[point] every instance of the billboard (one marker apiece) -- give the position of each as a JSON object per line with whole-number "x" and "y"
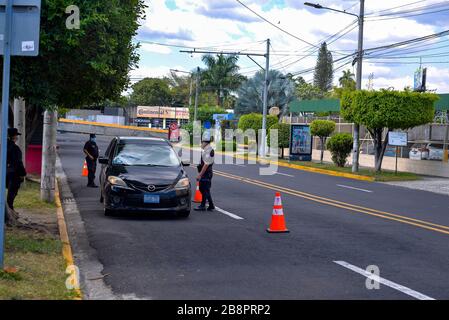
{"x": 300, "y": 142}
{"x": 162, "y": 112}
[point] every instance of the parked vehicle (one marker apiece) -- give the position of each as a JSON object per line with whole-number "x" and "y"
{"x": 419, "y": 151}
{"x": 143, "y": 175}
{"x": 436, "y": 151}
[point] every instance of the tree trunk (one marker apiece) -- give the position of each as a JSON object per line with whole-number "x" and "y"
{"x": 282, "y": 153}
{"x": 379, "y": 147}
{"x": 49, "y": 157}
{"x": 322, "y": 149}
{"x": 19, "y": 123}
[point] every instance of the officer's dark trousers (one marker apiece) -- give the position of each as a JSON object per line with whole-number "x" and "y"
{"x": 13, "y": 184}
{"x": 205, "y": 186}
{"x": 92, "y": 169}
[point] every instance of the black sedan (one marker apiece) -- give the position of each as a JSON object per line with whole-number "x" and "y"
{"x": 143, "y": 175}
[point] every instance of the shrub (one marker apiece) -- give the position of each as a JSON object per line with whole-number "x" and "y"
{"x": 227, "y": 146}
{"x": 283, "y": 136}
{"x": 254, "y": 121}
{"x": 340, "y": 146}
{"x": 206, "y": 113}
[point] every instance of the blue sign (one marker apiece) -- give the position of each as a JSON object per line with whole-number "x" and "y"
{"x": 207, "y": 125}
{"x": 300, "y": 143}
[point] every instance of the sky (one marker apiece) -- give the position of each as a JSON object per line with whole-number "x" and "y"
{"x": 226, "y": 25}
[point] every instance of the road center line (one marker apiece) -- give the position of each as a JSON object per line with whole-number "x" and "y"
{"x": 353, "y": 188}
{"x": 234, "y": 216}
{"x": 284, "y": 174}
{"x": 385, "y": 282}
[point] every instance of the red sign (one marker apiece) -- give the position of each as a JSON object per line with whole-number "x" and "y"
{"x": 173, "y": 132}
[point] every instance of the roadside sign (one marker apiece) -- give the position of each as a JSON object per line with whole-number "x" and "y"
{"x": 398, "y": 139}
{"x": 300, "y": 142}
{"x": 207, "y": 125}
{"x": 173, "y": 132}
{"x": 25, "y": 27}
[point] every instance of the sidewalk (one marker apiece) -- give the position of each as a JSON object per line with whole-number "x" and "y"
{"x": 431, "y": 184}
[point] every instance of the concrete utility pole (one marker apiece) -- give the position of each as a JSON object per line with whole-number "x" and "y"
{"x": 263, "y": 152}
{"x": 197, "y": 89}
{"x": 355, "y": 159}
{"x": 49, "y": 157}
{"x": 360, "y": 18}
{"x": 19, "y": 123}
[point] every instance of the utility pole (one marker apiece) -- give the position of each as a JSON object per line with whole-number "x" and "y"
{"x": 265, "y": 103}
{"x": 196, "y": 93}
{"x": 361, "y": 17}
{"x": 49, "y": 157}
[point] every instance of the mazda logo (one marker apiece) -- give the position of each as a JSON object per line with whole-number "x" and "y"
{"x": 151, "y": 188}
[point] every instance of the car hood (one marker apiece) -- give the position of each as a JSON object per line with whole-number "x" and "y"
{"x": 148, "y": 175}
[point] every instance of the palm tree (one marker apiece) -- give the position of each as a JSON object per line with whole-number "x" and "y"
{"x": 346, "y": 79}
{"x": 222, "y": 75}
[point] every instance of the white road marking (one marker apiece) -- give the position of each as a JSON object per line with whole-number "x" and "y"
{"x": 234, "y": 216}
{"x": 353, "y": 188}
{"x": 284, "y": 174}
{"x": 240, "y": 165}
{"x": 385, "y": 282}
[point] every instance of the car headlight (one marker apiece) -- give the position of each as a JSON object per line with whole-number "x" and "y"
{"x": 182, "y": 184}
{"x": 116, "y": 181}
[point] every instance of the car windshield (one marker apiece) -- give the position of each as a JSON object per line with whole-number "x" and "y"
{"x": 144, "y": 154}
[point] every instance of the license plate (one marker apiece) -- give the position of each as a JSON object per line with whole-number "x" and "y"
{"x": 150, "y": 198}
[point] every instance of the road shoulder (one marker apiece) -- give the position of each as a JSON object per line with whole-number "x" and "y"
{"x": 430, "y": 184}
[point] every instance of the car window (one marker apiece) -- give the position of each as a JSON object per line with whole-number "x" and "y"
{"x": 144, "y": 154}
{"x": 108, "y": 150}
{"x": 436, "y": 146}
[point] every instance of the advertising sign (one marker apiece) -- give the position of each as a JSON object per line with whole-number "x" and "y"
{"x": 162, "y": 112}
{"x": 173, "y": 132}
{"x": 300, "y": 142}
{"x": 398, "y": 139}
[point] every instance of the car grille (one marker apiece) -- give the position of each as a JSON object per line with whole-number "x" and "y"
{"x": 144, "y": 187}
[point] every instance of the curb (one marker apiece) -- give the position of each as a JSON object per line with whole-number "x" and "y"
{"x": 99, "y": 124}
{"x": 297, "y": 167}
{"x": 66, "y": 247}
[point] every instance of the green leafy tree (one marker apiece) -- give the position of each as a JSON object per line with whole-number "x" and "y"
{"x": 324, "y": 70}
{"x": 384, "y": 111}
{"x": 250, "y": 93}
{"x": 206, "y": 113}
{"x": 81, "y": 67}
{"x": 180, "y": 89}
{"x": 322, "y": 129}
{"x": 253, "y": 121}
{"x": 307, "y": 91}
{"x": 221, "y": 75}
{"x": 151, "y": 92}
{"x": 347, "y": 83}
{"x": 340, "y": 146}
{"x": 283, "y": 136}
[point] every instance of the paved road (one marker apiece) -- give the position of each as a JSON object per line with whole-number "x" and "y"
{"x": 405, "y": 233}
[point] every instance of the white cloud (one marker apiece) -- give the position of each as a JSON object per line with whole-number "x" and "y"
{"x": 146, "y": 47}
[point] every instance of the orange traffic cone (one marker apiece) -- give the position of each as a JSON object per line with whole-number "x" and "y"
{"x": 198, "y": 196}
{"x": 85, "y": 171}
{"x": 277, "y": 219}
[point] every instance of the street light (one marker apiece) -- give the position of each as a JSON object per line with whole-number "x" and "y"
{"x": 191, "y": 85}
{"x": 360, "y": 18}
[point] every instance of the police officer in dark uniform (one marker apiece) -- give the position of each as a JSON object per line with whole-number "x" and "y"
{"x": 205, "y": 173}
{"x": 91, "y": 151}
{"x": 15, "y": 170}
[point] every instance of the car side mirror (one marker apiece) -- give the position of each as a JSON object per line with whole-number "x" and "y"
{"x": 185, "y": 163}
{"x": 103, "y": 160}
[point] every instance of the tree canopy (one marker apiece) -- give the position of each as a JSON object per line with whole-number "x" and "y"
{"x": 151, "y": 92}
{"x": 280, "y": 93}
{"x": 221, "y": 75}
{"x": 84, "y": 66}
{"x": 324, "y": 70}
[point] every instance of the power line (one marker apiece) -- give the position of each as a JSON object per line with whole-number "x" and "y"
{"x": 402, "y": 6}
{"x": 416, "y": 9}
{"x": 277, "y": 27}
{"x": 407, "y": 16}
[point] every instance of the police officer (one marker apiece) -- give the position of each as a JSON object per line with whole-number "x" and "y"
{"x": 91, "y": 151}
{"x": 15, "y": 170}
{"x": 206, "y": 172}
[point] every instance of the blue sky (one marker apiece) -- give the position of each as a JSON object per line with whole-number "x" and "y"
{"x": 226, "y": 25}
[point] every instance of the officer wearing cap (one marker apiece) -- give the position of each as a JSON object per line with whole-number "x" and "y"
{"x": 206, "y": 172}
{"x": 15, "y": 170}
{"x": 91, "y": 152}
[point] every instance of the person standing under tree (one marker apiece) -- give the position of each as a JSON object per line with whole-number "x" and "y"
{"x": 15, "y": 170}
{"x": 91, "y": 151}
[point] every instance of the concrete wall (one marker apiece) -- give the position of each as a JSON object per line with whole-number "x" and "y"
{"x": 109, "y": 130}
{"x": 422, "y": 167}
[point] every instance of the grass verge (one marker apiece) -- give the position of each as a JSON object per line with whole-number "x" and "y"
{"x": 384, "y": 176}
{"x": 29, "y": 197}
{"x": 40, "y": 266}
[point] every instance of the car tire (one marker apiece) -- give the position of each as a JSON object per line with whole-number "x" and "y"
{"x": 108, "y": 212}
{"x": 184, "y": 214}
